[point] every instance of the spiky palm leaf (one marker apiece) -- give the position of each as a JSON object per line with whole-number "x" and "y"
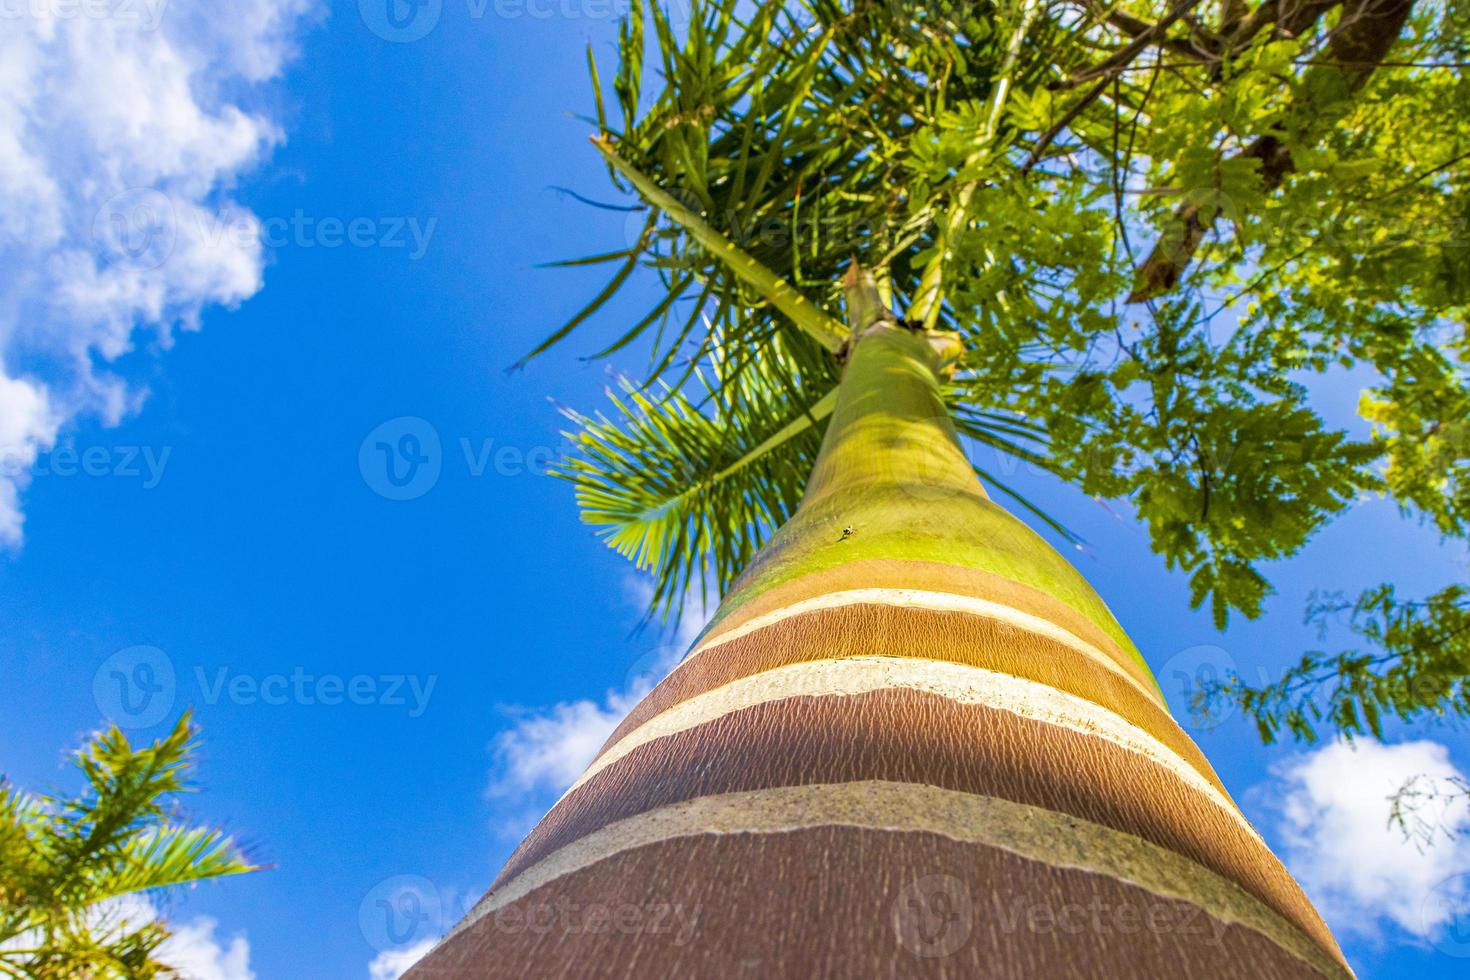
{"x": 689, "y": 487}
{"x": 790, "y": 131}
{"x": 66, "y": 860}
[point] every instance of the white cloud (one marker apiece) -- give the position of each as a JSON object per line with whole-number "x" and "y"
{"x": 191, "y": 949}
{"x": 123, "y": 130}
{"x": 194, "y": 952}
{"x": 546, "y": 748}
{"x": 393, "y": 963}
{"x": 1332, "y": 808}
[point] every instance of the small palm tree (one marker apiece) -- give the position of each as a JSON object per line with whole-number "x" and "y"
{"x": 68, "y": 863}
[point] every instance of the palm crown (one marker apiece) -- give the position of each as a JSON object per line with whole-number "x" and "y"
{"x": 65, "y": 862}
{"x": 1150, "y": 228}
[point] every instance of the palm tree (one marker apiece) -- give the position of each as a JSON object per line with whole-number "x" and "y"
{"x": 912, "y": 740}
{"x": 69, "y": 865}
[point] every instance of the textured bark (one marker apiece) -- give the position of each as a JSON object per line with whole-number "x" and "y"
{"x": 908, "y": 905}
{"x": 913, "y": 742}
{"x": 1363, "y": 37}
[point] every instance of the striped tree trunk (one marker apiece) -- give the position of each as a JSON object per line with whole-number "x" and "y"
{"x": 912, "y": 742}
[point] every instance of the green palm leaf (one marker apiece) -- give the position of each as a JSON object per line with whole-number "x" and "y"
{"x": 171, "y": 855}
{"x": 688, "y": 489}
{"x": 65, "y": 860}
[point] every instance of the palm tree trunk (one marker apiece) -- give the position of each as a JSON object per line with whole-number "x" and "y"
{"x": 912, "y": 742}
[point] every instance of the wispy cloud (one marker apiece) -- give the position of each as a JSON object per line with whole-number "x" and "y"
{"x": 123, "y": 130}
{"x": 392, "y": 964}
{"x": 196, "y": 954}
{"x": 1331, "y": 809}
{"x": 548, "y": 746}
{"x": 192, "y": 950}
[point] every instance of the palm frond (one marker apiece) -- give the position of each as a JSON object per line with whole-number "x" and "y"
{"x": 781, "y": 132}
{"x": 66, "y": 860}
{"x": 171, "y": 855}
{"x": 689, "y": 488}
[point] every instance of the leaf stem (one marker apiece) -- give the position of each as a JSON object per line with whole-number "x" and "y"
{"x": 827, "y": 331}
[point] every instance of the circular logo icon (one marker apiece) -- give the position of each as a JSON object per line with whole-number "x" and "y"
{"x": 135, "y": 687}
{"x": 1446, "y": 915}
{"x": 650, "y": 667}
{"x": 934, "y": 916}
{"x": 926, "y": 461}
{"x": 1187, "y": 678}
{"x": 401, "y": 911}
{"x": 136, "y": 228}
{"x": 633, "y": 226}
{"x": 401, "y": 458}
{"x": 665, "y": 231}
{"x": 400, "y": 21}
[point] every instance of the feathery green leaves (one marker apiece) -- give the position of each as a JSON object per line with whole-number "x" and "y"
{"x": 688, "y": 490}
{"x": 66, "y": 860}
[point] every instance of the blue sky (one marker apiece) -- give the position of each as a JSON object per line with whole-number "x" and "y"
{"x": 393, "y": 681}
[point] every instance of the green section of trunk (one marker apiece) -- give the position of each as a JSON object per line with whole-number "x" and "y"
{"x": 893, "y": 482}
{"x": 890, "y": 428}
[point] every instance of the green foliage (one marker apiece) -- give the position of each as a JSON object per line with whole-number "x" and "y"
{"x": 1416, "y": 661}
{"x": 1167, "y": 233}
{"x": 688, "y": 489}
{"x": 65, "y": 860}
